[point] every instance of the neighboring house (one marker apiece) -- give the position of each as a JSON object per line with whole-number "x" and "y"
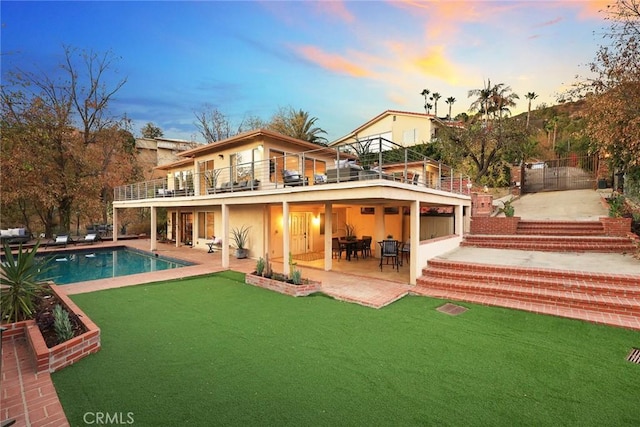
{"x": 297, "y": 196}
{"x": 153, "y": 152}
{"x": 402, "y": 127}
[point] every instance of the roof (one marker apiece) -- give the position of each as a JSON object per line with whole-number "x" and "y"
{"x": 240, "y": 139}
{"x": 378, "y": 118}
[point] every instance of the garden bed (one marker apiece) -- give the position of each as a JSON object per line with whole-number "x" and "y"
{"x": 58, "y": 356}
{"x": 307, "y": 288}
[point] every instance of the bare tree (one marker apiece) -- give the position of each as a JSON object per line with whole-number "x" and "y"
{"x": 213, "y": 124}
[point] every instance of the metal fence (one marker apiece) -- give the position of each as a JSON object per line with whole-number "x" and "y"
{"x": 570, "y": 173}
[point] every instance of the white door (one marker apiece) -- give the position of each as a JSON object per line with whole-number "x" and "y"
{"x": 298, "y": 232}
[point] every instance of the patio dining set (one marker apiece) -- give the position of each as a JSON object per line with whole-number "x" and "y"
{"x": 354, "y": 248}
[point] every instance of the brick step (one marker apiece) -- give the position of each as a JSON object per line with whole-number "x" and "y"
{"x": 625, "y": 321}
{"x": 587, "y": 286}
{"x": 570, "y": 276}
{"x": 546, "y": 239}
{"x": 529, "y": 294}
{"x": 551, "y": 243}
{"x": 560, "y": 228}
{"x": 553, "y": 247}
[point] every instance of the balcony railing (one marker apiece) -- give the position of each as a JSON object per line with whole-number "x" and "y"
{"x": 365, "y": 160}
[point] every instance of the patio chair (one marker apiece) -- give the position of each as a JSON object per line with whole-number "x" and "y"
{"x": 389, "y": 251}
{"x": 405, "y": 252}
{"x": 416, "y": 177}
{"x": 366, "y": 246}
{"x": 61, "y": 240}
{"x": 293, "y": 178}
{"x": 336, "y": 248}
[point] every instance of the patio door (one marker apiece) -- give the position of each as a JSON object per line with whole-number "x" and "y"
{"x": 186, "y": 230}
{"x": 298, "y": 232}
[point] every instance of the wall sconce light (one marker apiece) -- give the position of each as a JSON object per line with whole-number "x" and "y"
{"x": 260, "y": 147}
{"x": 221, "y": 156}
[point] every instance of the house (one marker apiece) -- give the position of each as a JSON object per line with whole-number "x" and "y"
{"x": 401, "y": 127}
{"x": 152, "y": 152}
{"x": 296, "y": 196}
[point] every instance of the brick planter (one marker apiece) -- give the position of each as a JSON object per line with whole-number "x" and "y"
{"x": 620, "y": 227}
{"x": 283, "y": 287}
{"x": 494, "y": 225}
{"x": 55, "y": 358}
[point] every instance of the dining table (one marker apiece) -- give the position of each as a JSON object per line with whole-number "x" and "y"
{"x": 350, "y": 246}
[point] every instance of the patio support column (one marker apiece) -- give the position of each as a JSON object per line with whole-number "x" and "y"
{"x": 414, "y": 235}
{"x": 380, "y": 232}
{"x": 115, "y": 225}
{"x": 285, "y": 238}
{"x": 178, "y": 227}
{"x": 154, "y": 228}
{"x": 328, "y": 246}
{"x": 459, "y": 225}
{"x": 225, "y": 235}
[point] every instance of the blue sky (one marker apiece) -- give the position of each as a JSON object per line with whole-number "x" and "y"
{"x": 342, "y": 61}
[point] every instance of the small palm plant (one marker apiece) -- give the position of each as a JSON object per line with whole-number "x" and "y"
{"x": 21, "y": 287}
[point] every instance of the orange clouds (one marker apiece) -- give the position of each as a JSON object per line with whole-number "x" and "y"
{"x": 332, "y": 62}
{"x": 436, "y": 64}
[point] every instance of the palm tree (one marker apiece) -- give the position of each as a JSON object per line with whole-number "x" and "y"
{"x": 434, "y": 97}
{"x": 298, "y": 124}
{"x": 501, "y": 99}
{"x": 428, "y": 107}
{"x": 530, "y": 96}
{"x": 450, "y": 100}
{"x": 481, "y": 104}
{"x": 425, "y": 93}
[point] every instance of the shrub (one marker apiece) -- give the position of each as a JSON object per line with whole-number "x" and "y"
{"x": 18, "y": 275}
{"x": 507, "y": 209}
{"x": 296, "y": 277}
{"x": 616, "y": 205}
{"x": 260, "y": 264}
{"x": 62, "y": 324}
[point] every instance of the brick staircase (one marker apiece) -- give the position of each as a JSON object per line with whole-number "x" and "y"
{"x": 597, "y": 297}
{"x": 612, "y": 299}
{"x": 554, "y": 236}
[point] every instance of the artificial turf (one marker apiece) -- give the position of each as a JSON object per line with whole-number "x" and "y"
{"x": 214, "y": 351}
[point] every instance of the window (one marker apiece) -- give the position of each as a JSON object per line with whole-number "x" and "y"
{"x": 205, "y": 225}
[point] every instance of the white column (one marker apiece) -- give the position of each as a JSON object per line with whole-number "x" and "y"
{"x": 225, "y": 235}
{"x": 178, "y": 227}
{"x": 414, "y": 233}
{"x": 115, "y": 225}
{"x": 328, "y": 235}
{"x": 154, "y": 228}
{"x": 460, "y": 220}
{"x": 285, "y": 238}
{"x": 380, "y": 233}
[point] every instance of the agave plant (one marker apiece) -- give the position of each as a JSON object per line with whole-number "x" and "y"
{"x": 20, "y": 286}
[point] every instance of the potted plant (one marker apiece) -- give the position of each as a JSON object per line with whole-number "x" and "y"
{"x": 350, "y": 231}
{"x": 240, "y": 235}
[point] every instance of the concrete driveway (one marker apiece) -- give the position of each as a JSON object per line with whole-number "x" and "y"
{"x": 571, "y": 205}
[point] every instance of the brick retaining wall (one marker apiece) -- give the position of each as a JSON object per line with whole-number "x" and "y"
{"x": 494, "y": 225}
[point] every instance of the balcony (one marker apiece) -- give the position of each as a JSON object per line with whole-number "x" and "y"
{"x": 376, "y": 159}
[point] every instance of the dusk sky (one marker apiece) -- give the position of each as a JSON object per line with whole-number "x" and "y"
{"x": 342, "y": 61}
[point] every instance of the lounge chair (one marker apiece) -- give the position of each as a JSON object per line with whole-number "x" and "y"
{"x": 90, "y": 238}
{"x": 61, "y": 240}
{"x": 293, "y": 178}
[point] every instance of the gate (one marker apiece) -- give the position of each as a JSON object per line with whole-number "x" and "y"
{"x": 570, "y": 173}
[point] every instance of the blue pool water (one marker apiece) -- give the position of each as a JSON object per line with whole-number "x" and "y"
{"x": 83, "y": 265}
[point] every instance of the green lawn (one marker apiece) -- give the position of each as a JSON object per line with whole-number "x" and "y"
{"x": 214, "y": 351}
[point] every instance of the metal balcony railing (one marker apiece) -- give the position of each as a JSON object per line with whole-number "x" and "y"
{"x": 364, "y": 160}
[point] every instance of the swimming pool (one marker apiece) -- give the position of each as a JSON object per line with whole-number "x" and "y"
{"x": 82, "y": 265}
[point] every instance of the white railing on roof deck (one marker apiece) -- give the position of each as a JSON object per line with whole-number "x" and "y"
{"x": 364, "y": 160}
